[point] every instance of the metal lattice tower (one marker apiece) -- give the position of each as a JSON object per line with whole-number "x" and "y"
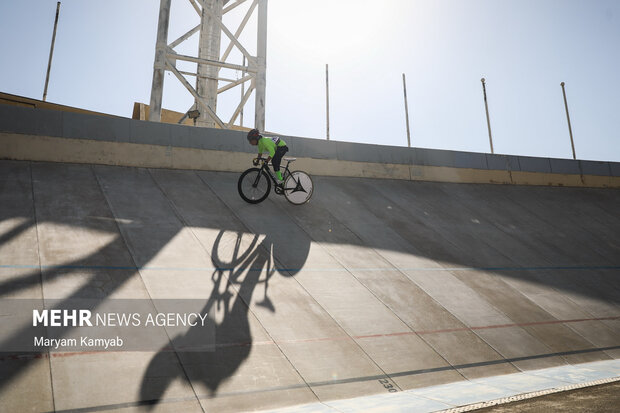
{"x": 210, "y": 61}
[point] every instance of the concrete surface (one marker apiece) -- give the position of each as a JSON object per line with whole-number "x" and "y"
{"x": 374, "y": 286}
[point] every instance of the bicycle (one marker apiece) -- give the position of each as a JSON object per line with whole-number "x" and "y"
{"x": 254, "y": 184}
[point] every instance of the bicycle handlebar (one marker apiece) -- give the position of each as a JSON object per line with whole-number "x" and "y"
{"x": 255, "y": 161}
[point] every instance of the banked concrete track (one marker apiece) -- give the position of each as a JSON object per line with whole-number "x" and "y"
{"x": 374, "y": 285}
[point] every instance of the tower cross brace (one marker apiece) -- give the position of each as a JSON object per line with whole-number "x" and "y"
{"x": 210, "y": 62}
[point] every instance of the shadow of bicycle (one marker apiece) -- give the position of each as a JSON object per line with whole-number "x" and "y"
{"x": 240, "y": 281}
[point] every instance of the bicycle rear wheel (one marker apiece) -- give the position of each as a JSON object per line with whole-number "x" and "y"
{"x": 254, "y": 186}
{"x": 298, "y": 187}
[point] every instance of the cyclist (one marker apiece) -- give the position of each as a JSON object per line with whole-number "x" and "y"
{"x": 274, "y": 146}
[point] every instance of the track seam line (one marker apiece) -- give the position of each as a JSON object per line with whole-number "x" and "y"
{"x": 36, "y": 224}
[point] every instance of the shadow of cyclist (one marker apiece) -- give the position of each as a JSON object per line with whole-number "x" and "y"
{"x": 235, "y": 281}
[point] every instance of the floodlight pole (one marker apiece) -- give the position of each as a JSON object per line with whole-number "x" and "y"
{"x": 570, "y": 130}
{"x": 486, "y": 107}
{"x": 327, "y": 97}
{"x": 406, "y": 111}
{"x": 49, "y": 63}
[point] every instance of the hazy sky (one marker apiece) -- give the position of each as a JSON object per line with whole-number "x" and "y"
{"x": 104, "y": 52}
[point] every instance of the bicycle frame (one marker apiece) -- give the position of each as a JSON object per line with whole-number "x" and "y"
{"x": 271, "y": 174}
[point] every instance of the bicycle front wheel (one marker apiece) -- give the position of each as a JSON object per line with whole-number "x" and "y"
{"x": 298, "y": 187}
{"x": 254, "y": 186}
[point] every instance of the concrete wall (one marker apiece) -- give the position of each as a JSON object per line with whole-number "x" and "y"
{"x": 47, "y": 135}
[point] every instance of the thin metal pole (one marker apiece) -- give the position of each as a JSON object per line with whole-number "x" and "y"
{"x": 406, "y": 111}
{"x": 49, "y": 63}
{"x": 327, "y": 96}
{"x": 570, "y": 130}
{"x": 486, "y": 107}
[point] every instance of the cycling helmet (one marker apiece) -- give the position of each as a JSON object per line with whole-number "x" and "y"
{"x": 253, "y": 135}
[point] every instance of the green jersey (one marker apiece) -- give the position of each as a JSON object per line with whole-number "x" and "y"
{"x": 268, "y": 145}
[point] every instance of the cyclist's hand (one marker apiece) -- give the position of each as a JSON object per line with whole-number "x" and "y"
{"x": 255, "y": 161}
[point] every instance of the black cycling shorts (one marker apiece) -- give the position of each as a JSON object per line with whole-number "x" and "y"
{"x": 277, "y": 157}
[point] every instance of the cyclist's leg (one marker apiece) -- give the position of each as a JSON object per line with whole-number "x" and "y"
{"x": 277, "y": 159}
